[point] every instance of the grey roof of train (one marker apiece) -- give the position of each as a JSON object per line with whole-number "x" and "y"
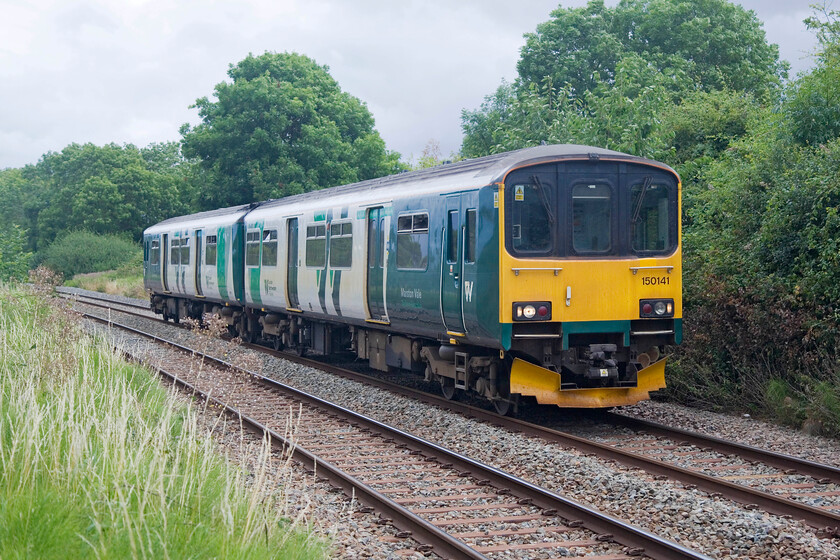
{"x": 487, "y": 170}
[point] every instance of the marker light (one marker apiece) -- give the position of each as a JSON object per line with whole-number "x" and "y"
{"x": 655, "y": 308}
{"x": 532, "y": 311}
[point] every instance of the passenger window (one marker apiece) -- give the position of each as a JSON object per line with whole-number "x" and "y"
{"x": 316, "y": 245}
{"x": 210, "y": 250}
{"x": 341, "y": 245}
{"x": 252, "y": 248}
{"x": 650, "y": 222}
{"x": 372, "y": 243}
{"x": 591, "y": 218}
{"x": 382, "y": 242}
{"x": 154, "y": 253}
{"x": 532, "y": 217}
{"x": 269, "y": 250}
{"x": 185, "y": 251}
{"x": 175, "y": 251}
{"x": 452, "y": 227}
{"x": 413, "y": 241}
{"x": 469, "y": 248}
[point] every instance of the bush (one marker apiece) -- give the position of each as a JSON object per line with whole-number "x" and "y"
{"x": 82, "y": 252}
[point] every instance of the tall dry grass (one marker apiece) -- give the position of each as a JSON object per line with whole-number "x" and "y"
{"x": 98, "y": 461}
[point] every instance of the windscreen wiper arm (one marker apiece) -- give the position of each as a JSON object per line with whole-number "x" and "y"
{"x": 543, "y": 198}
{"x": 638, "y": 209}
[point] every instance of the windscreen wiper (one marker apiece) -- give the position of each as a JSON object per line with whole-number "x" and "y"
{"x": 638, "y": 209}
{"x": 543, "y": 198}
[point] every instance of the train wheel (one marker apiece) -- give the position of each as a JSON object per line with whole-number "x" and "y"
{"x": 505, "y": 403}
{"x": 447, "y": 388}
{"x": 278, "y": 343}
{"x": 502, "y": 406}
{"x": 245, "y": 333}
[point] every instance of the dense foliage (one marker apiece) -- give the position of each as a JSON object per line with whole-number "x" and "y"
{"x": 759, "y": 162}
{"x": 762, "y": 247}
{"x": 81, "y": 252}
{"x": 711, "y": 44}
{"x": 607, "y": 76}
{"x": 283, "y": 126}
{"x": 14, "y": 260}
{"x": 100, "y": 189}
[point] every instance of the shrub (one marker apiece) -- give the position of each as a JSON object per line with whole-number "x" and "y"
{"x": 82, "y": 252}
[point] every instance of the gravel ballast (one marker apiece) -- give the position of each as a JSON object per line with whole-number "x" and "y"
{"x": 714, "y": 526}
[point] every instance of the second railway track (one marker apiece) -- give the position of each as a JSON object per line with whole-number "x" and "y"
{"x": 780, "y": 473}
{"x": 456, "y": 506}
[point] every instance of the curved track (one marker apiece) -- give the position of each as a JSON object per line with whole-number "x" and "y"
{"x": 777, "y": 483}
{"x": 433, "y": 494}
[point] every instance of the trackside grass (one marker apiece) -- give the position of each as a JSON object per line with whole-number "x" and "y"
{"x": 127, "y": 280}
{"x": 97, "y": 461}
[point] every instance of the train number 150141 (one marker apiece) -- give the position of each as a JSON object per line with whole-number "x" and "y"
{"x": 656, "y": 280}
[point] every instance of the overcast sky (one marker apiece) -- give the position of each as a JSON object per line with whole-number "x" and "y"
{"x": 127, "y": 71}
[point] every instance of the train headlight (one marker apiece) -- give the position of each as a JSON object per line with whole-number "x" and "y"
{"x": 532, "y": 311}
{"x": 656, "y": 308}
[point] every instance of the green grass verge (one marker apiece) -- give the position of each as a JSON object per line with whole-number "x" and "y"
{"x": 97, "y": 461}
{"x": 127, "y": 280}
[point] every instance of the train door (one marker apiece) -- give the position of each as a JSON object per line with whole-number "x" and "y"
{"x": 292, "y": 268}
{"x": 164, "y": 260}
{"x": 199, "y": 238}
{"x": 452, "y": 267}
{"x": 375, "y": 262}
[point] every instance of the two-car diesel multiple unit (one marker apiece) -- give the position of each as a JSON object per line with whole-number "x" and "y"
{"x": 552, "y": 272}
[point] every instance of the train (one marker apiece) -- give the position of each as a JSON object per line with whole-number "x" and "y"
{"x": 550, "y": 273}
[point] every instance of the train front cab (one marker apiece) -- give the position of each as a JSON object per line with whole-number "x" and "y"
{"x": 590, "y": 279}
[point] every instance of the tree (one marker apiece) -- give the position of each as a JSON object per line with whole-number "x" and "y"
{"x": 624, "y": 115}
{"x": 610, "y": 76}
{"x": 14, "y": 260}
{"x": 813, "y": 107}
{"x": 283, "y": 126}
{"x": 106, "y": 189}
{"x": 714, "y": 43}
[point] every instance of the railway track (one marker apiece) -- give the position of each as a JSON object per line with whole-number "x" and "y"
{"x": 777, "y": 483}
{"x": 453, "y": 505}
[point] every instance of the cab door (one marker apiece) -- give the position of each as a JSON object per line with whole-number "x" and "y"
{"x": 454, "y": 285}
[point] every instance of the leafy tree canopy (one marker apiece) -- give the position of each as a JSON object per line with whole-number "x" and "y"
{"x": 612, "y": 76}
{"x": 715, "y": 44}
{"x": 283, "y": 126}
{"x": 14, "y": 259}
{"x": 813, "y": 106}
{"x": 103, "y": 189}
